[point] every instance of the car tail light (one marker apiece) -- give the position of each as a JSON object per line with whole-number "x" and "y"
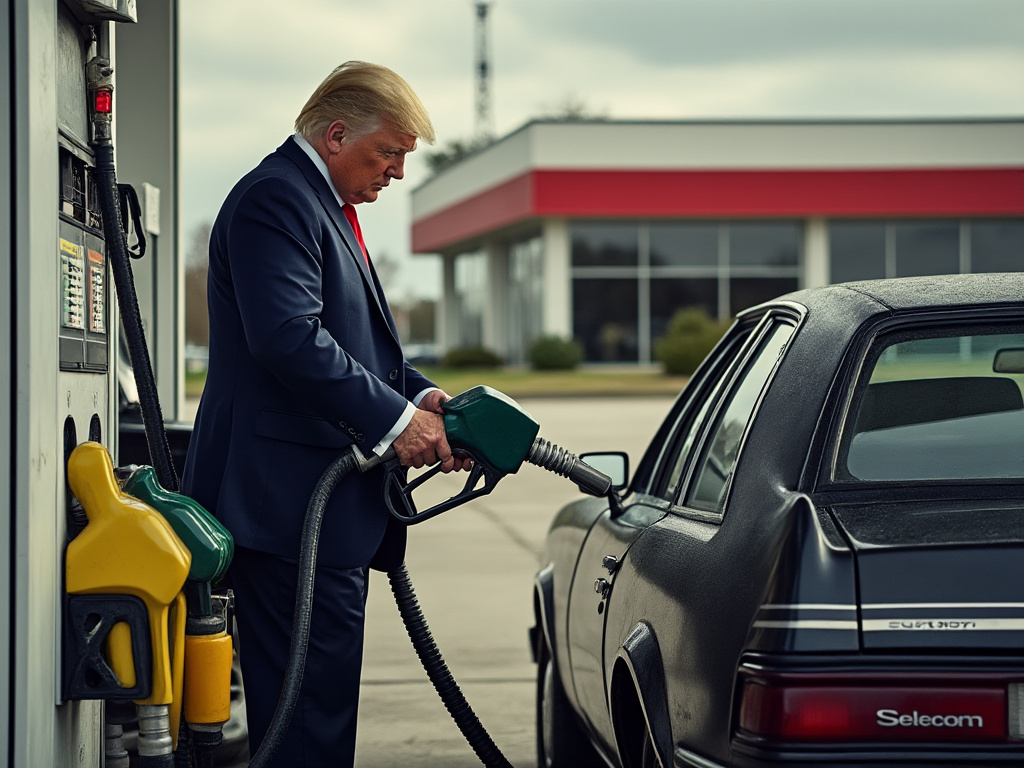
{"x": 800, "y": 708}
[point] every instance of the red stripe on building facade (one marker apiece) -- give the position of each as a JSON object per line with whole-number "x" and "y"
{"x": 726, "y": 194}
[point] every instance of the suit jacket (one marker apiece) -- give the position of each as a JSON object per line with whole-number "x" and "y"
{"x": 304, "y": 361}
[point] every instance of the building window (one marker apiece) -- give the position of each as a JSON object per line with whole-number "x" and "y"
{"x": 868, "y": 250}
{"x": 604, "y": 245}
{"x": 470, "y": 292}
{"x": 525, "y": 297}
{"x": 856, "y": 250}
{"x": 927, "y": 248}
{"x": 746, "y": 292}
{"x": 684, "y": 245}
{"x": 669, "y": 294}
{"x": 605, "y": 318}
{"x": 630, "y": 278}
{"x": 764, "y": 244}
{"x": 997, "y": 245}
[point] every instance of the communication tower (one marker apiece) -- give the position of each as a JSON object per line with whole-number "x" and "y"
{"x": 484, "y": 121}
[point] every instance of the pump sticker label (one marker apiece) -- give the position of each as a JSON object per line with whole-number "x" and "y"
{"x": 72, "y": 278}
{"x": 97, "y": 292}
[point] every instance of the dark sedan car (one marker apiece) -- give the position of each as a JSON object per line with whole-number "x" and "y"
{"x": 820, "y": 558}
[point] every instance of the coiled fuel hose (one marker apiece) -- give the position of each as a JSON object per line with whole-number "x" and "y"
{"x": 412, "y": 617}
{"x": 299, "y": 643}
{"x": 543, "y": 454}
{"x": 131, "y": 318}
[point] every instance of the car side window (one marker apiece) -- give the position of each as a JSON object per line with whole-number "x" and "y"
{"x": 690, "y": 421}
{"x": 722, "y": 446}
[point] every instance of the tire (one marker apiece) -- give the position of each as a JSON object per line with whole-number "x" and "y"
{"x": 561, "y": 743}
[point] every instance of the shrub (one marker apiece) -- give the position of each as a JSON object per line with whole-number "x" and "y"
{"x": 553, "y": 353}
{"x": 691, "y": 335}
{"x": 470, "y": 357}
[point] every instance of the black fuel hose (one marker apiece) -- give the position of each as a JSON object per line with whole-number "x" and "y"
{"x": 439, "y": 674}
{"x": 296, "y": 666}
{"x": 131, "y": 318}
{"x": 408, "y": 607}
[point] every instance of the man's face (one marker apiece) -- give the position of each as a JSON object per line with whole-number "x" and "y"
{"x": 362, "y": 167}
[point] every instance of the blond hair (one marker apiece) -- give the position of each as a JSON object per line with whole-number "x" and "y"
{"x": 364, "y": 95}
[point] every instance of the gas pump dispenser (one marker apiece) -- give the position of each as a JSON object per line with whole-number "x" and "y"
{"x": 141, "y": 624}
{"x": 123, "y": 622}
{"x": 85, "y": 308}
{"x": 58, "y": 377}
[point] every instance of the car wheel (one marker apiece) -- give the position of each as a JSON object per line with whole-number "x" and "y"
{"x": 561, "y": 742}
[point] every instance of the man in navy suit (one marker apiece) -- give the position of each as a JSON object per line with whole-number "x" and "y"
{"x": 305, "y": 361}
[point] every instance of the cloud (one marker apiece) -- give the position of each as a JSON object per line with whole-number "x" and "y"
{"x": 247, "y": 68}
{"x": 679, "y": 32}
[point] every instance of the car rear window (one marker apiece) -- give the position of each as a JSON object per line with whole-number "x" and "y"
{"x": 948, "y": 407}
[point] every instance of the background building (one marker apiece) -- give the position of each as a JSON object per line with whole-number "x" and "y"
{"x": 601, "y": 230}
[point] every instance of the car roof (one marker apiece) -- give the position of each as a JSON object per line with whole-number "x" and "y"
{"x": 911, "y": 293}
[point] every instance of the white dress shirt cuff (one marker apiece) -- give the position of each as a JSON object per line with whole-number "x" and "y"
{"x": 403, "y": 421}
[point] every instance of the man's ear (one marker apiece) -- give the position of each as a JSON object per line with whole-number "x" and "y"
{"x": 334, "y": 136}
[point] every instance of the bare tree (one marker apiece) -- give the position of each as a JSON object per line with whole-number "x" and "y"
{"x": 387, "y": 269}
{"x": 454, "y": 151}
{"x": 571, "y": 108}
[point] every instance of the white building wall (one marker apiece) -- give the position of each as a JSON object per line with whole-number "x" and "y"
{"x": 447, "y": 318}
{"x": 725, "y": 145}
{"x": 816, "y": 254}
{"x": 763, "y": 145}
{"x": 557, "y": 279}
{"x": 495, "y": 320}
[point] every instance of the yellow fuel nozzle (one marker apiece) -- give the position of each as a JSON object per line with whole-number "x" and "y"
{"x": 126, "y": 549}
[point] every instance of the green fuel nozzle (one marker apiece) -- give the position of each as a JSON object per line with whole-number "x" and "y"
{"x": 494, "y": 431}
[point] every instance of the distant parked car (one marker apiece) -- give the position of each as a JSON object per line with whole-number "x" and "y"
{"x": 197, "y": 358}
{"x": 820, "y": 558}
{"x": 422, "y": 354}
{"x": 132, "y": 446}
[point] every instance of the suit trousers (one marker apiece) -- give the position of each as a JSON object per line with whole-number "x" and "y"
{"x": 323, "y": 725}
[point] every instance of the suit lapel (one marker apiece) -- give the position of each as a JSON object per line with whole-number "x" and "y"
{"x": 329, "y": 202}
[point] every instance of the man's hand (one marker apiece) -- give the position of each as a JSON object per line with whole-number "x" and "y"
{"x": 423, "y": 443}
{"x": 432, "y": 401}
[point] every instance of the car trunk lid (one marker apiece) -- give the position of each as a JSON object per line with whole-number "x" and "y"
{"x": 939, "y": 575}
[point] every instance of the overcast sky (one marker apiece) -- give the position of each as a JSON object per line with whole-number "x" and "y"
{"x": 248, "y": 66}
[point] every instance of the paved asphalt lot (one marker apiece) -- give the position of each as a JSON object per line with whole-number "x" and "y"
{"x": 473, "y": 569}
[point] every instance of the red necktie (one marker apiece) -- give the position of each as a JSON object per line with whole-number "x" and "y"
{"x": 350, "y": 213}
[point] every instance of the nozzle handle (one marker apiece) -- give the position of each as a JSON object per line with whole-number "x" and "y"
{"x": 398, "y": 492}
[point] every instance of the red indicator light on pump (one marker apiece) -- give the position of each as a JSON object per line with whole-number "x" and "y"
{"x": 103, "y": 100}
